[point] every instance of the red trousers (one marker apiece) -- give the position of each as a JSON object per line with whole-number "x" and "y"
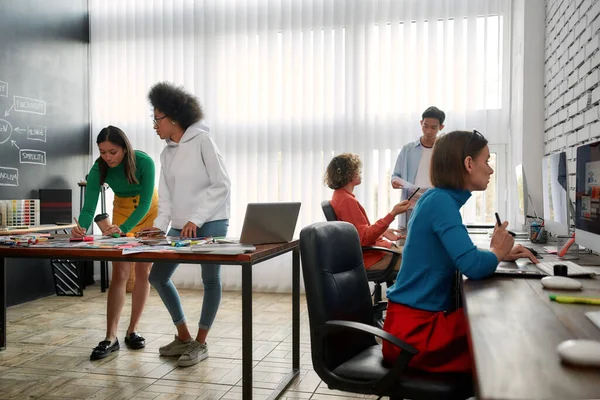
{"x": 441, "y": 338}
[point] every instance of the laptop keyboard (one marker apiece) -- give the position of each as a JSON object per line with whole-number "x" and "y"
{"x": 572, "y": 268}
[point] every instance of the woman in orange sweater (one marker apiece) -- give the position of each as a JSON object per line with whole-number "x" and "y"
{"x": 343, "y": 175}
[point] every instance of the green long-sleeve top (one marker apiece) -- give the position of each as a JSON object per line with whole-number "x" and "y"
{"x": 117, "y": 180}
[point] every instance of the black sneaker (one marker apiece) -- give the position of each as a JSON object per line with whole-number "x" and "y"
{"x": 104, "y": 349}
{"x": 135, "y": 341}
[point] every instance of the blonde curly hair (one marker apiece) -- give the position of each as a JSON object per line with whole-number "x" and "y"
{"x": 341, "y": 170}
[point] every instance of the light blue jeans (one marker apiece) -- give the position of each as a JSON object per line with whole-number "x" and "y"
{"x": 160, "y": 279}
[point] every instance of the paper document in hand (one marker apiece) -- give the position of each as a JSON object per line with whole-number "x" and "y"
{"x": 405, "y": 184}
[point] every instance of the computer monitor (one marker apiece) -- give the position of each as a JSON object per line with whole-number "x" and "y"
{"x": 587, "y": 196}
{"x": 555, "y": 193}
{"x": 521, "y": 195}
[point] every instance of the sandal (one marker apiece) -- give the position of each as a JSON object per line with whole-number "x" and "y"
{"x": 135, "y": 341}
{"x": 104, "y": 349}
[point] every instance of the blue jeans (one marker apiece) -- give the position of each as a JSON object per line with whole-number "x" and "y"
{"x": 160, "y": 279}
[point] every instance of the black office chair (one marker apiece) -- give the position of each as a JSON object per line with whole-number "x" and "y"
{"x": 387, "y": 275}
{"x": 344, "y": 351}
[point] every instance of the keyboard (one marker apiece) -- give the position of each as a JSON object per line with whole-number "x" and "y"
{"x": 572, "y": 268}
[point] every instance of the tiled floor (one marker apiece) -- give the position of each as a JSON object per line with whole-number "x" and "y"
{"x": 50, "y": 340}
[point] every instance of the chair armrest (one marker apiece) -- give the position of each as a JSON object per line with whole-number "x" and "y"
{"x": 408, "y": 352}
{"x": 379, "y": 248}
{"x": 380, "y": 306}
{"x": 336, "y": 326}
{"x": 384, "y": 274}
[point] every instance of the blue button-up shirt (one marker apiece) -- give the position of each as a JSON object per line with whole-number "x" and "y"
{"x": 407, "y": 162}
{"x": 406, "y": 168}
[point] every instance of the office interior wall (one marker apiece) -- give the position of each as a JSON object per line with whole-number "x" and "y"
{"x": 526, "y": 103}
{"x": 571, "y": 78}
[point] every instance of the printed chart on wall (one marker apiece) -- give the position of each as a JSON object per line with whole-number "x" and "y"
{"x": 22, "y": 129}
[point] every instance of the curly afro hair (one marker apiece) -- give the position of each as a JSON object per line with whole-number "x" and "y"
{"x": 176, "y": 103}
{"x": 341, "y": 170}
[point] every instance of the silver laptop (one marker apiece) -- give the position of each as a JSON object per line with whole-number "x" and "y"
{"x": 269, "y": 223}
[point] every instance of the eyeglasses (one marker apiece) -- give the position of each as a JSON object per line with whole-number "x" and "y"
{"x": 474, "y": 134}
{"x": 157, "y": 120}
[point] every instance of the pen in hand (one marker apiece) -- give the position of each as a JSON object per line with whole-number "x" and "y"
{"x": 499, "y": 221}
{"x": 413, "y": 194}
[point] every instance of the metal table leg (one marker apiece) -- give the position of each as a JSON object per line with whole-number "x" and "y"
{"x": 247, "y": 331}
{"x": 289, "y": 378}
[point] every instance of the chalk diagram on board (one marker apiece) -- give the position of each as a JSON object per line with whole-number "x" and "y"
{"x": 33, "y": 134}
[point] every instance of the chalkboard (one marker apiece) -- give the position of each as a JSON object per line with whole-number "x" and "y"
{"x": 44, "y": 112}
{"x": 44, "y": 107}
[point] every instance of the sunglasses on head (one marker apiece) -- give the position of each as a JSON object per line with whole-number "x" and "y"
{"x": 474, "y": 134}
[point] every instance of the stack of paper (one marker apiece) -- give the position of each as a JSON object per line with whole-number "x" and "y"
{"x": 223, "y": 248}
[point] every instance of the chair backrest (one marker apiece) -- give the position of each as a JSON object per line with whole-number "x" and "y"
{"x": 336, "y": 289}
{"x": 328, "y": 211}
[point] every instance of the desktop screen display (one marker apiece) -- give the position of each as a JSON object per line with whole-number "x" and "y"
{"x": 587, "y": 196}
{"x": 521, "y": 195}
{"x": 555, "y": 193}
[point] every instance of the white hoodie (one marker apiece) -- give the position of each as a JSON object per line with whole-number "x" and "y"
{"x": 194, "y": 184}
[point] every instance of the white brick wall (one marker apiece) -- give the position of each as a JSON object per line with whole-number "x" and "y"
{"x": 572, "y": 77}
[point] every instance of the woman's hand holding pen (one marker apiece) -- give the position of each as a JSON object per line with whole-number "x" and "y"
{"x": 401, "y": 207}
{"x": 502, "y": 242}
{"x": 189, "y": 230}
{"x": 78, "y": 232}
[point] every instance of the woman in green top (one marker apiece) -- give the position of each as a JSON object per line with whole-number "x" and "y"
{"x": 130, "y": 175}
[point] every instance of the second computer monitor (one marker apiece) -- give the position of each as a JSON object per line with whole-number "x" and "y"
{"x": 587, "y": 196}
{"x": 555, "y": 193}
{"x": 521, "y": 195}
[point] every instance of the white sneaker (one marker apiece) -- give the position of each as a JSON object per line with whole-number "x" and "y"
{"x": 195, "y": 353}
{"x": 176, "y": 348}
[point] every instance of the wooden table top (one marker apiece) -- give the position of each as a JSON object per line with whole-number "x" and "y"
{"x": 514, "y": 331}
{"x": 262, "y": 253}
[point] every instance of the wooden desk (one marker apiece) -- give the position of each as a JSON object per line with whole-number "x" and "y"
{"x": 514, "y": 329}
{"x": 247, "y": 261}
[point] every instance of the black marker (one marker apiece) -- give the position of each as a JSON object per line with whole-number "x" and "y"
{"x": 499, "y": 221}
{"x": 415, "y": 192}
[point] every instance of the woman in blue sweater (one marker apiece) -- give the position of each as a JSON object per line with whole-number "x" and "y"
{"x": 419, "y": 309}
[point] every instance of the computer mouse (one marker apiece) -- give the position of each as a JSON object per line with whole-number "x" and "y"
{"x": 560, "y": 282}
{"x": 580, "y": 352}
{"x": 534, "y": 252}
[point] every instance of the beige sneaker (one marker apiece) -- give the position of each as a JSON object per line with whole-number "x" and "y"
{"x": 195, "y": 353}
{"x": 176, "y": 348}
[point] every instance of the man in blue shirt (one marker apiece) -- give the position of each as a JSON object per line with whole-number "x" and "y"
{"x": 412, "y": 164}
